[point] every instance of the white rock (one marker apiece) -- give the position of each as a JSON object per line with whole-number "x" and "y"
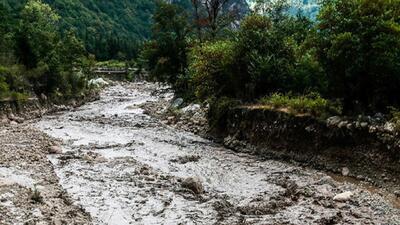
{"x": 345, "y": 196}
{"x": 345, "y": 171}
{"x": 99, "y": 82}
{"x": 191, "y": 108}
{"x": 13, "y": 123}
{"x": 389, "y": 127}
{"x": 333, "y": 121}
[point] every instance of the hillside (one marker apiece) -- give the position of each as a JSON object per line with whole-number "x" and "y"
{"x": 110, "y": 29}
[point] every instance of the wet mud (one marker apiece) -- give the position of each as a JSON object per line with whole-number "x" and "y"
{"x": 123, "y": 166}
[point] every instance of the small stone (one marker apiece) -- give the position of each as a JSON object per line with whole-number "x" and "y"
{"x": 177, "y": 102}
{"x": 345, "y": 171}
{"x": 343, "y": 124}
{"x": 55, "y": 150}
{"x": 397, "y": 193}
{"x": 194, "y": 184}
{"x": 13, "y": 123}
{"x": 43, "y": 97}
{"x": 57, "y": 222}
{"x": 333, "y": 121}
{"x": 390, "y": 127}
{"x": 4, "y": 120}
{"x": 345, "y": 196}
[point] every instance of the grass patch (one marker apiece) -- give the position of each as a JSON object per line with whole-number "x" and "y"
{"x": 111, "y": 64}
{"x": 36, "y": 196}
{"x": 312, "y": 104}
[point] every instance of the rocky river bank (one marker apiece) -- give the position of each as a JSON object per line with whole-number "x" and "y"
{"x": 124, "y": 160}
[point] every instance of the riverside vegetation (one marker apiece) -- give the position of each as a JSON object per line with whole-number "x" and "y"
{"x": 345, "y": 62}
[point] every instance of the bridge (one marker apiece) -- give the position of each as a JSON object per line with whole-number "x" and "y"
{"x": 113, "y": 71}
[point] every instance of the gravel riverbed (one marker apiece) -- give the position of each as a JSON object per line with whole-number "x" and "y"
{"x": 119, "y": 165}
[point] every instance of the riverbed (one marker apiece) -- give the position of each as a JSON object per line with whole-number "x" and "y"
{"x": 126, "y": 167}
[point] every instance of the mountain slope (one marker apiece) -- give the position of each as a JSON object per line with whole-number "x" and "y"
{"x": 109, "y": 28}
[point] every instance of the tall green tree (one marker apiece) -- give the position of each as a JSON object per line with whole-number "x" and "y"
{"x": 6, "y": 36}
{"x": 37, "y": 37}
{"x": 359, "y": 47}
{"x": 167, "y": 52}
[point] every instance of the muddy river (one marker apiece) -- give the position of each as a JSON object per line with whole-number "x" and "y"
{"x": 126, "y": 167}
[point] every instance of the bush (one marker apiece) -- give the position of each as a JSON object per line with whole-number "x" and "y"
{"x": 13, "y": 83}
{"x": 211, "y": 69}
{"x": 267, "y": 57}
{"x": 312, "y": 104}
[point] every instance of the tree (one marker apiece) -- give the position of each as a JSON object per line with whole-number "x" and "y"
{"x": 212, "y": 16}
{"x": 6, "y": 36}
{"x": 37, "y": 36}
{"x": 359, "y": 47}
{"x": 166, "y": 54}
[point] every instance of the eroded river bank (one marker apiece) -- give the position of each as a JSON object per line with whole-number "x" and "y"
{"x": 122, "y": 166}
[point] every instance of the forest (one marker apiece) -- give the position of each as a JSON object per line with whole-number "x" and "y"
{"x": 345, "y": 61}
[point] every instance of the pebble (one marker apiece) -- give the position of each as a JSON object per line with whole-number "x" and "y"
{"x": 55, "y": 150}
{"x": 343, "y": 197}
{"x": 345, "y": 171}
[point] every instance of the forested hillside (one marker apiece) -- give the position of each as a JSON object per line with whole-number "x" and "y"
{"x": 109, "y": 29}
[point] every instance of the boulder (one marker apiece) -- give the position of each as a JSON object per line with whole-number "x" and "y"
{"x": 177, "y": 103}
{"x": 99, "y": 82}
{"x": 345, "y": 171}
{"x": 55, "y": 149}
{"x": 343, "y": 197}
{"x": 192, "y": 108}
{"x": 194, "y": 184}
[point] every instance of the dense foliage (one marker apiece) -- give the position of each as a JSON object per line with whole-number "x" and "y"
{"x": 110, "y": 29}
{"x": 359, "y": 47}
{"x": 349, "y": 54}
{"x": 36, "y": 58}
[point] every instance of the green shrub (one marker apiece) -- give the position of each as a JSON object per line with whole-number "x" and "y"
{"x": 312, "y": 104}
{"x": 211, "y": 67}
{"x": 266, "y": 57}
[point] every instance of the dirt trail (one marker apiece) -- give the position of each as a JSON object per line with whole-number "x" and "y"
{"x": 125, "y": 167}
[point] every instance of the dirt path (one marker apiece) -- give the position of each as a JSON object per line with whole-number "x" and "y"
{"x": 125, "y": 167}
